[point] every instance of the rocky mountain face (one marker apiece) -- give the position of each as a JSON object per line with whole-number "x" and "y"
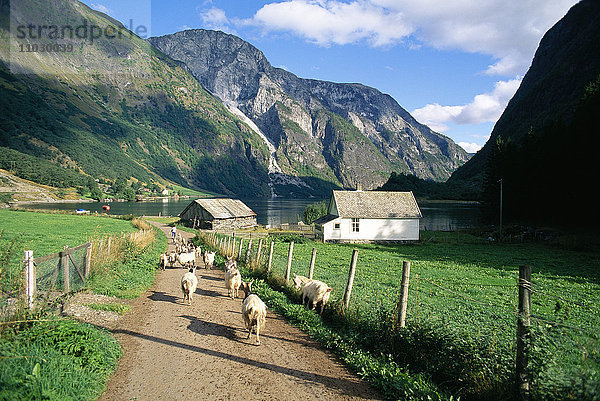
{"x": 566, "y": 62}
{"x": 319, "y": 133}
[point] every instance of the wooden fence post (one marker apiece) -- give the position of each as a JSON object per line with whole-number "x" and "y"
{"x": 350, "y": 279}
{"x": 88, "y": 261}
{"x": 247, "y": 260}
{"x": 260, "y": 244}
{"x": 29, "y": 279}
{"x": 64, "y": 265}
{"x": 240, "y": 252}
{"x": 270, "y": 256}
{"x": 288, "y": 268}
{"x": 404, "y": 293}
{"x": 311, "y": 269}
{"x": 523, "y": 333}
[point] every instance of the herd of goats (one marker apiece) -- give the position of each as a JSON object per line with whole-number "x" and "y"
{"x": 315, "y": 293}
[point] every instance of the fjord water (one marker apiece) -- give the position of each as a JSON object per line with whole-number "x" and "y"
{"x": 437, "y": 215}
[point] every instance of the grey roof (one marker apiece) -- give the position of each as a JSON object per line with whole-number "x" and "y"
{"x": 325, "y": 219}
{"x": 224, "y": 208}
{"x": 376, "y": 204}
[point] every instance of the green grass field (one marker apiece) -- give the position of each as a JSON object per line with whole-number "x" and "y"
{"x": 44, "y": 357}
{"x": 462, "y": 312}
{"x": 47, "y": 233}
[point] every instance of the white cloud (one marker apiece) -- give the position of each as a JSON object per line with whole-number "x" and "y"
{"x": 470, "y": 147}
{"x": 486, "y": 107}
{"x": 508, "y": 30}
{"x": 102, "y": 8}
{"x": 334, "y": 22}
{"x": 215, "y": 18}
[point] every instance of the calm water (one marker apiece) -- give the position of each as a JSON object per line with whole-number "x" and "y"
{"x": 436, "y": 215}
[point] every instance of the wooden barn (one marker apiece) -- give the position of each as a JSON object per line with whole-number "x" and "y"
{"x": 218, "y": 214}
{"x": 370, "y": 216}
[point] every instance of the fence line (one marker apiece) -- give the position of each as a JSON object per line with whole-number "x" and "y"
{"x": 278, "y": 263}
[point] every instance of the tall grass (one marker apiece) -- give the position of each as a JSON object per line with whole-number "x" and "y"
{"x": 462, "y": 310}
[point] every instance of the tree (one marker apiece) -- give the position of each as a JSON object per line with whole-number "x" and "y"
{"x": 314, "y": 211}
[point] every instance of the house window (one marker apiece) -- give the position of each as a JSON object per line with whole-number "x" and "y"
{"x": 336, "y": 226}
{"x": 355, "y": 225}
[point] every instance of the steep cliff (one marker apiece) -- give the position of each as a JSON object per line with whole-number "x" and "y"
{"x": 344, "y": 134}
{"x": 566, "y": 61}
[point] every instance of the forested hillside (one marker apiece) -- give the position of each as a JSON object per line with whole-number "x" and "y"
{"x": 115, "y": 107}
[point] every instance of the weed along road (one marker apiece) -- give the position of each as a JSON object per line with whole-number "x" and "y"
{"x": 174, "y": 351}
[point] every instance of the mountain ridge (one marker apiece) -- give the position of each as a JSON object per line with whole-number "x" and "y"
{"x": 296, "y": 114}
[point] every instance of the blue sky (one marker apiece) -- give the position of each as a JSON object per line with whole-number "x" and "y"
{"x": 453, "y": 64}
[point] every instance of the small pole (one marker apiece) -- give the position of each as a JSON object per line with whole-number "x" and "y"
{"x": 240, "y": 252}
{"x": 270, "y": 256}
{"x": 248, "y": 251}
{"x": 29, "y": 279}
{"x": 88, "y": 261}
{"x": 350, "y": 279}
{"x": 312, "y": 263}
{"x": 523, "y": 334}
{"x": 64, "y": 264}
{"x": 288, "y": 269}
{"x": 404, "y": 293}
{"x": 500, "y": 207}
{"x": 258, "y": 252}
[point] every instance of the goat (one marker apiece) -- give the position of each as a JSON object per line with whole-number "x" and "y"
{"x": 162, "y": 263}
{"x": 233, "y": 280}
{"x": 172, "y": 258}
{"x": 254, "y": 313}
{"x": 230, "y": 263}
{"x": 209, "y": 259}
{"x": 186, "y": 259}
{"x": 189, "y": 282}
{"x": 316, "y": 292}
{"x": 300, "y": 281}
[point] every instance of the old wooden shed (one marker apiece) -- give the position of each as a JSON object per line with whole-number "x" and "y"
{"x": 218, "y": 214}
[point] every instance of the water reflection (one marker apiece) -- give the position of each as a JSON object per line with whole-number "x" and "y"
{"x": 436, "y": 215}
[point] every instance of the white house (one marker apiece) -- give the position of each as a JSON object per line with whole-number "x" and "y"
{"x": 365, "y": 216}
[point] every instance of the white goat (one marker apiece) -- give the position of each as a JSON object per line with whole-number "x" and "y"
{"x": 172, "y": 258}
{"x": 233, "y": 280}
{"x": 316, "y": 292}
{"x": 254, "y": 312}
{"x": 189, "y": 282}
{"x": 186, "y": 259}
{"x": 197, "y": 256}
{"x": 163, "y": 261}
{"x": 230, "y": 263}
{"x": 209, "y": 259}
{"x": 300, "y": 281}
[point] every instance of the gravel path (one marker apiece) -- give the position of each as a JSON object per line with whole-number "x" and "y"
{"x": 175, "y": 351}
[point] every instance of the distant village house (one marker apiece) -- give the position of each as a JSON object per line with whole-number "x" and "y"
{"x": 370, "y": 216}
{"x": 218, "y": 214}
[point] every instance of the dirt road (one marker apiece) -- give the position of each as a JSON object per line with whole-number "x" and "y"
{"x": 175, "y": 351}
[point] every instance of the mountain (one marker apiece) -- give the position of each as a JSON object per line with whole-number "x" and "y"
{"x": 80, "y": 90}
{"x": 83, "y": 92}
{"x": 544, "y": 147}
{"x": 566, "y": 61}
{"x": 346, "y": 134}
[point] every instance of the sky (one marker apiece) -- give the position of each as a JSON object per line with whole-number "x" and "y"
{"x": 453, "y": 64}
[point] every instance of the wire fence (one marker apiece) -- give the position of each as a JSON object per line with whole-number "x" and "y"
{"x": 480, "y": 306}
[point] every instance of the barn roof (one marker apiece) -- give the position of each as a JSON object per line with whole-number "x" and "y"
{"x": 223, "y": 208}
{"x": 376, "y": 204}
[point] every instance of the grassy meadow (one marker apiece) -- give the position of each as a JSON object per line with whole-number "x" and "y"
{"x": 43, "y": 356}
{"x": 462, "y": 311}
